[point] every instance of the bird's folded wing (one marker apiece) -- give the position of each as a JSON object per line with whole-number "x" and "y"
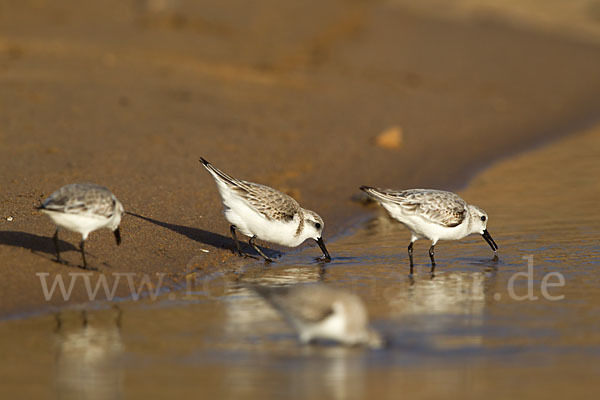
{"x": 269, "y": 202}
{"x": 443, "y": 208}
{"x": 93, "y": 202}
{"x": 440, "y": 207}
{"x": 305, "y": 305}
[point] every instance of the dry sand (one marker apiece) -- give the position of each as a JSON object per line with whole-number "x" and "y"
{"x": 129, "y": 94}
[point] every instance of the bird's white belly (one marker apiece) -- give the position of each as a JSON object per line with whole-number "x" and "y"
{"x": 333, "y": 327}
{"x": 80, "y": 223}
{"x": 251, "y": 223}
{"x": 423, "y": 228}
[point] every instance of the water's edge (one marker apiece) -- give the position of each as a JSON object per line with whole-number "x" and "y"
{"x": 343, "y": 228}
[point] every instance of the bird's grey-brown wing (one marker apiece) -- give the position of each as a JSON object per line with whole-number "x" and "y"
{"x": 81, "y": 198}
{"x": 268, "y": 201}
{"x": 305, "y": 303}
{"x": 438, "y": 206}
{"x": 271, "y": 203}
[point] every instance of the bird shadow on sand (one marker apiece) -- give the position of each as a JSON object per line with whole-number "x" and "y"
{"x": 209, "y": 238}
{"x": 42, "y": 246}
{"x": 35, "y": 243}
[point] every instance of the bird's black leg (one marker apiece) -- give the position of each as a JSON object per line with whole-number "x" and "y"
{"x": 56, "y": 246}
{"x": 83, "y": 254}
{"x": 235, "y": 239}
{"x": 410, "y": 256}
{"x": 431, "y": 253}
{"x": 251, "y": 241}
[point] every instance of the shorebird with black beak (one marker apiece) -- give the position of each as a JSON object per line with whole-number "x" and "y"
{"x": 261, "y": 212}
{"x": 434, "y": 215}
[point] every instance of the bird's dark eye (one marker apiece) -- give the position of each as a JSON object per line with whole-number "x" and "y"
{"x": 483, "y": 217}
{"x": 317, "y": 225}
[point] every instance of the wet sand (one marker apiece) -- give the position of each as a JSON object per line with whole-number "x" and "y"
{"x": 577, "y": 18}
{"x": 129, "y": 94}
{"x": 459, "y": 335}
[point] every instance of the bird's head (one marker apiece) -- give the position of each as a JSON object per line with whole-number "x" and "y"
{"x": 479, "y": 220}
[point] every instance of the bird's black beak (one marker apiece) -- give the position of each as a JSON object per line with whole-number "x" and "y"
{"x": 117, "y": 233}
{"x": 321, "y": 244}
{"x": 488, "y": 238}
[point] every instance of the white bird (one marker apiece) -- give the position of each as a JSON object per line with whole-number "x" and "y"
{"x": 83, "y": 208}
{"x": 318, "y": 311}
{"x": 259, "y": 211}
{"x": 432, "y": 214}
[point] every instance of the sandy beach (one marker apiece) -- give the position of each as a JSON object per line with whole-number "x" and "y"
{"x": 460, "y": 335}
{"x": 130, "y": 94}
{"x": 498, "y": 101}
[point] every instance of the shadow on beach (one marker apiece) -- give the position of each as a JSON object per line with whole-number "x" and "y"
{"x": 35, "y": 243}
{"x": 208, "y": 238}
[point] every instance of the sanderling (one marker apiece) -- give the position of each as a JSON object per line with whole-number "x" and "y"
{"x": 318, "y": 311}
{"x": 262, "y": 212}
{"x": 434, "y": 215}
{"x": 83, "y": 208}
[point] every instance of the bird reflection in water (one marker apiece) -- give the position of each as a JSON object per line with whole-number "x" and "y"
{"x": 89, "y": 348}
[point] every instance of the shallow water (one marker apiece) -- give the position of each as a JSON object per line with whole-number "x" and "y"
{"x": 459, "y": 333}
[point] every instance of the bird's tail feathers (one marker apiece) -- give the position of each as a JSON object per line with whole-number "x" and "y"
{"x": 218, "y": 174}
{"x": 267, "y": 292}
{"x": 375, "y": 193}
